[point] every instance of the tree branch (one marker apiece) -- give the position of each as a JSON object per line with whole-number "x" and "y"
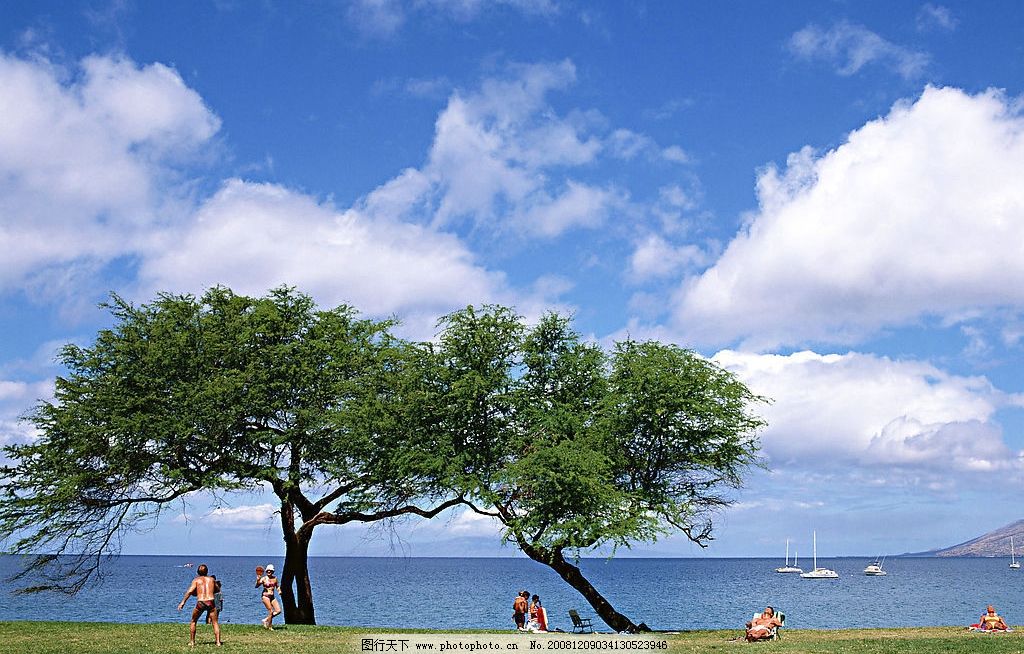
{"x": 326, "y": 518}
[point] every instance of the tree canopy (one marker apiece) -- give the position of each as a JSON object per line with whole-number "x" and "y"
{"x": 575, "y": 450}
{"x": 572, "y": 448}
{"x": 224, "y": 393}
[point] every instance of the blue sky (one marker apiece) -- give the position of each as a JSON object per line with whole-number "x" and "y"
{"x": 824, "y": 197}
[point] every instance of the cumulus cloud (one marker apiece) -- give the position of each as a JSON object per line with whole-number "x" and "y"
{"x": 502, "y": 160}
{"x": 252, "y": 237}
{"x": 832, "y": 411}
{"x": 850, "y": 47}
{"x": 919, "y": 213}
{"x": 91, "y": 167}
{"x": 88, "y": 163}
{"x": 498, "y": 152}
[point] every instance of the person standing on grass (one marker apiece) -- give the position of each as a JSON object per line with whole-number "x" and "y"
{"x": 203, "y": 588}
{"x": 538, "y": 617}
{"x": 519, "y": 609}
{"x": 269, "y": 583}
{"x": 218, "y": 600}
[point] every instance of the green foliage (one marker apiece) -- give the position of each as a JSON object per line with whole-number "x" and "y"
{"x": 221, "y": 393}
{"x": 572, "y": 448}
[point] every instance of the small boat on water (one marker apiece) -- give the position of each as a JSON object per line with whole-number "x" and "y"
{"x": 874, "y": 568}
{"x": 789, "y": 568}
{"x": 1014, "y": 565}
{"x": 819, "y": 573}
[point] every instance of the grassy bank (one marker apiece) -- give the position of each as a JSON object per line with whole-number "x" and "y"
{"x": 107, "y": 638}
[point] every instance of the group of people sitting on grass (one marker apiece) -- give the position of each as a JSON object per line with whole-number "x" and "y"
{"x": 764, "y": 625}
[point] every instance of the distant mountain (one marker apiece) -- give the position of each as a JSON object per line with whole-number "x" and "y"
{"x": 994, "y": 543}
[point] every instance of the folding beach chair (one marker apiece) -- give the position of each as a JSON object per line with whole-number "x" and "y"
{"x": 580, "y": 625}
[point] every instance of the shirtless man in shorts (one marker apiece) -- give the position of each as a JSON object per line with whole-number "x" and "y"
{"x": 203, "y": 588}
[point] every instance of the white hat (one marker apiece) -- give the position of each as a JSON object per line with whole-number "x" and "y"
{"x": 270, "y": 567}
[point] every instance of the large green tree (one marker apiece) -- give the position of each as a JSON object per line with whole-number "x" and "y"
{"x": 219, "y": 394}
{"x": 576, "y": 450}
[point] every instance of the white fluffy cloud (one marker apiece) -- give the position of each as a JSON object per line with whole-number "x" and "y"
{"x": 87, "y": 161}
{"x": 90, "y": 172}
{"x": 496, "y": 151}
{"x": 918, "y": 213}
{"x": 835, "y": 411}
{"x": 850, "y": 47}
{"x": 252, "y": 237}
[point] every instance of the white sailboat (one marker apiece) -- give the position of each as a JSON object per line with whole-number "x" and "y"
{"x": 788, "y": 567}
{"x": 819, "y": 573}
{"x": 874, "y": 569}
{"x": 1013, "y": 558}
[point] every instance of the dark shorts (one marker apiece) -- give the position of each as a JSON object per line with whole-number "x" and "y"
{"x": 520, "y": 619}
{"x": 205, "y": 606}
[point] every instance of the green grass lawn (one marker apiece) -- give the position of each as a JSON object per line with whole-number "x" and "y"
{"x": 108, "y": 638}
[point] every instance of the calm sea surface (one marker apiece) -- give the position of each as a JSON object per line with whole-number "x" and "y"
{"x": 477, "y": 592}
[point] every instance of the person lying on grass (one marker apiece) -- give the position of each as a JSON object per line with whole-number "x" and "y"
{"x": 990, "y": 621}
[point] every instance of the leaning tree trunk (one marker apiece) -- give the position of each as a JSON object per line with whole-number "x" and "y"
{"x": 296, "y": 591}
{"x": 572, "y": 575}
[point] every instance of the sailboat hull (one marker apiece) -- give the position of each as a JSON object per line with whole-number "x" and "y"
{"x": 821, "y": 573}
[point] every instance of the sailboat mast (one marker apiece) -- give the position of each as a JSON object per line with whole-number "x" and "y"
{"x": 814, "y": 536}
{"x": 787, "y": 550}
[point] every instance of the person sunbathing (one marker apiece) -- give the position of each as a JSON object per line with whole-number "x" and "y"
{"x": 761, "y": 627}
{"x": 990, "y": 621}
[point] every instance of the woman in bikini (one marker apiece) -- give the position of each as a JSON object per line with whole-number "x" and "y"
{"x": 269, "y": 583}
{"x": 990, "y": 621}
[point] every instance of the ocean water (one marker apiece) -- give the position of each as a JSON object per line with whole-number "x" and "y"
{"x": 477, "y": 592}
